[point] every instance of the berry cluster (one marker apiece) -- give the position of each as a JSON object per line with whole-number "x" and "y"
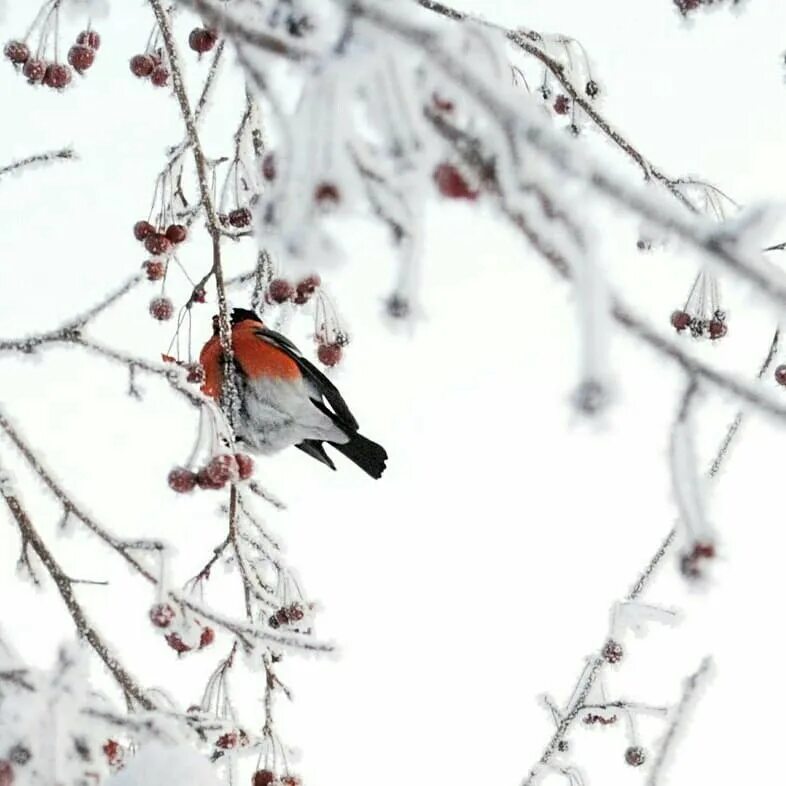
{"x": 268, "y": 778}
{"x": 38, "y": 70}
{"x": 287, "y": 615}
{"x": 160, "y": 244}
{"x": 219, "y": 471}
{"x": 150, "y": 65}
{"x": 162, "y": 616}
{"x": 280, "y": 290}
{"x": 232, "y": 739}
{"x": 452, "y": 184}
{"x": 114, "y": 753}
{"x": 701, "y": 327}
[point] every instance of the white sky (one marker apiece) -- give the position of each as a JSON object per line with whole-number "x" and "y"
{"x": 479, "y": 572}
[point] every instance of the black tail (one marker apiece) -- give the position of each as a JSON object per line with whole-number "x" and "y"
{"x": 369, "y": 456}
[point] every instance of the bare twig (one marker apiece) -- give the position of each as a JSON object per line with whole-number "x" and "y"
{"x": 40, "y": 158}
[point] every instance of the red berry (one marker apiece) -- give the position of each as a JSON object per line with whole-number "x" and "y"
{"x": 282, "y": 617}
{"x": 17, "y": 52}
{"x": 89, "y": 38}
{"x": 635, "y": 756}
{"x": 562, "y": 105}
{"x": 442, "y": 104}
{"x": 309, "y": 283}
{"x": 176, "y": 643}
{"x": 262, "y": 778}
{"x": 612, "y": 652}
{"x": 296, "y": 612}
{"x": 176, "y": 233}
{"x": 7, "y": 773}
{"x": 680, "y": 320}
{"x": 157, "y": 243}
{"x": 245, "y": 466}
{"x": 222, "y": 469}
{"x": 142, "y": 65}
{"x": 291, "y": 780}
{"x": 202, "y": 40}
{"x": 57, "y": 76}
{"x": 207, "y": 637}
{"x": 142, "y": 229}
{"x": 112, "y": 751}
{"x": 81, "y": 57}
{"x": 34, "y": 70}
{"x": 780, "y": 375}
{"x": 241, "y": 217}
{"x": 703, "y": 550}
{"x": 160, "y": 76}
{"x": 269, "y": 166}
{"x": 196, "y": 373}
{"x": 329, "y": 354}
{"x": 228, "y": 740}
{"x": 451, "y": 183}
{"x": 280, "y": 290}
{"x": 204, "y": 481}
{"x": 718, "y": 329}
{"x": 684, "y": 6}
{"x": 181, "y": 480}
{"x": 161, "y": 308}
{"x": 154, "y": 270}
{"x": 161, "y": 615}
{"x": 327, "y": 194}
{"x": 198, "y": 296}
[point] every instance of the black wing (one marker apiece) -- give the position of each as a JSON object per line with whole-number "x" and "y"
{"x": 314, "y": 375}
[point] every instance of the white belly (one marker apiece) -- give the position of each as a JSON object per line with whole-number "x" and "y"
{"x": 276, "y": 414}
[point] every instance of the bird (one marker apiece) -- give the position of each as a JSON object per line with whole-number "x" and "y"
{"x": 284, "y": 399}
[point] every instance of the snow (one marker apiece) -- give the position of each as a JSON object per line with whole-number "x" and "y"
{"x": 164, "y": 765}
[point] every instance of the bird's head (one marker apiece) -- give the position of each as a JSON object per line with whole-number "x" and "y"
{"x": 238, "y": 315}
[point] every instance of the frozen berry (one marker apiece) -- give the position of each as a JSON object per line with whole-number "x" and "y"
{"x": 563, "y": 746}
{"x": 329, "y": 354}
{"x": 222, "y": 469}
{"x": 245, "y": 466}
{"x": 81, "y": 57}
{"x": 680, "y": 320}
{"x": 228, "y": 740}
{"x": 703, "y": 550}
{"x": 161, "y": 615}
{"x": 89, "y": 38}
{"x": 176, "y": 643}
{"x": 397, "y": 306}
{"x": 34, "y": 70}
{"x": 241, "y": 217}
{"x": 202, "y": 40}
{"x": 160, "y": 76}
{"x": 199, "y": 296}
{"x": 154, "y": 270}
{"x": 562, "y": 105}
{"x": 112, "y": 751}
{"x": 262, "y": 778}
{"x": 684, "y": 6}
{"x": 280, "y": 290}
{"x": 176, "y": 233}
{"x": 612, "y": 652}
{"x": 327, "y": 194}
{"x": 451, "y": 183}
{"x": 592, "y": 88}
{"x": 780, "y": 375}
{"x": 196, "y": 373}
{"x": 204, "y": 481}
{"x": 7, "y": 773}
{"x": 57, "y": 76}
{"x": 206, "y": 637}
{"x": 717, "y": 329}
{"x": 291, "y": 780}
{"x": 17, "y": 52}
{"x": 157, "y": 243}
{"x": 142, "y": 65}
{"x": 273, "y": 621}
{"x": 269, "y": 166}
{"x": 296, "y": 612}
{"x": 441, "y": 104}
{"x": 161, "y": 308}
{"x": 142, "y": 229}
{"x": 181, "y": 480}
{"x": 306, "y": 287}
{"x": 19, "y": 754}
{"x": 635, "y": 756}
